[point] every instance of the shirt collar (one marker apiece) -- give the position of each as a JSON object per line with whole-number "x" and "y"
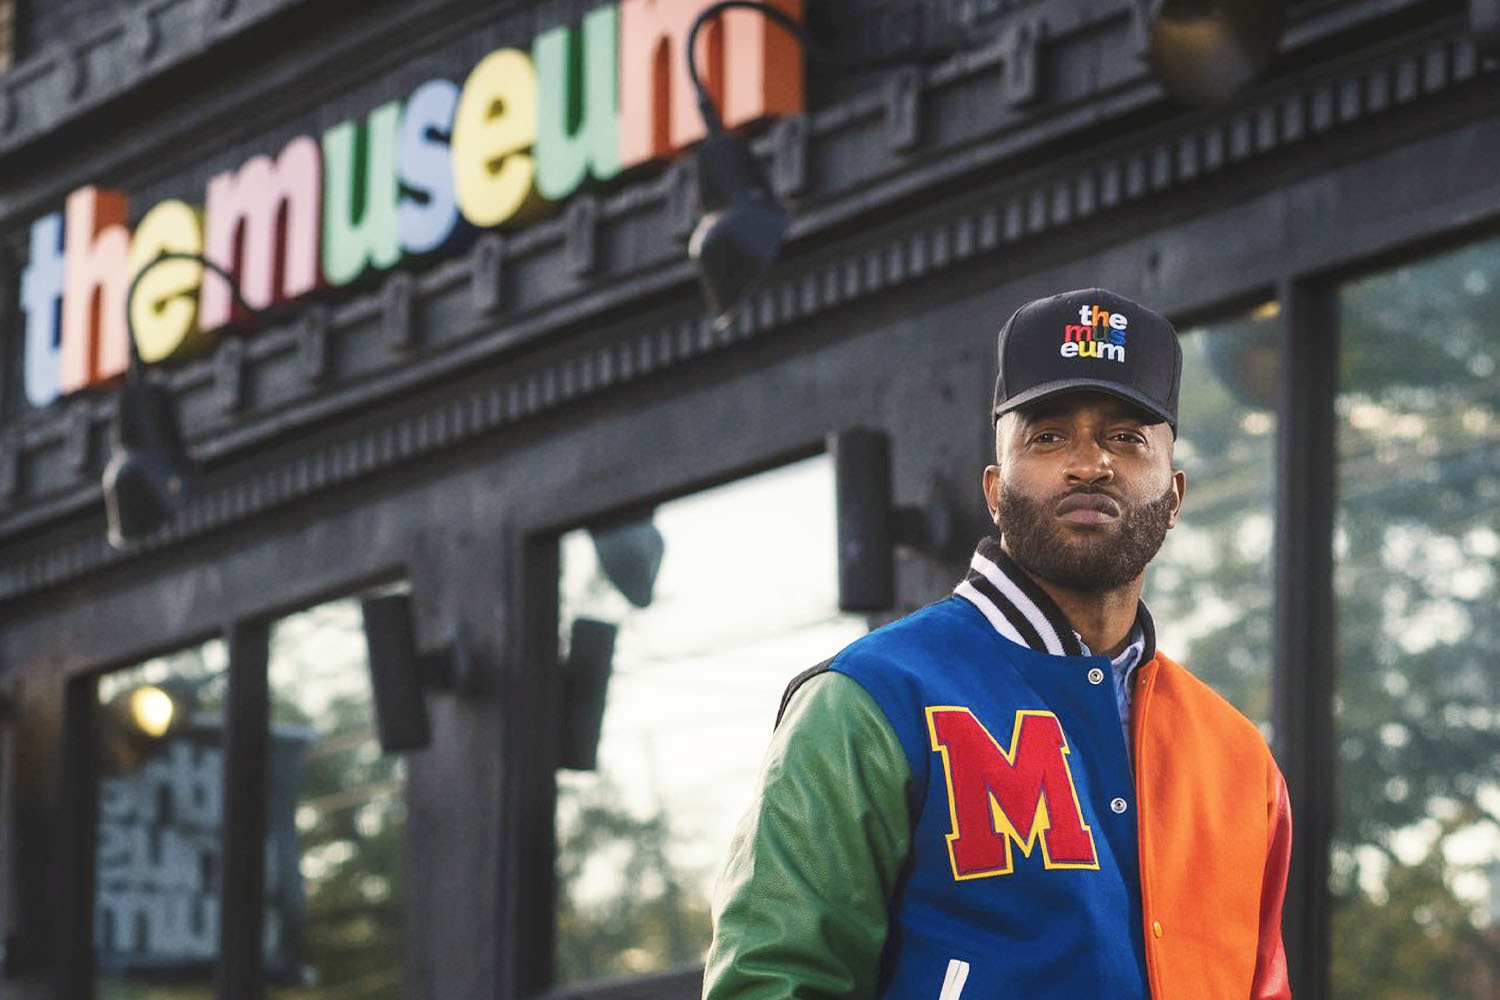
{"x": 1130, "y": 657}
{"x": 1022, "y": 612}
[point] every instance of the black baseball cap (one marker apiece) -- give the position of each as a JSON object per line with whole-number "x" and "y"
{"x": 1090, "y": 338}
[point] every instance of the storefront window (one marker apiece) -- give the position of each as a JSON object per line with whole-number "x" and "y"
{"x": 1416, "y": 857}
{"x": 689, "y": 621}
{"x": 335, "y": 821}
{"x": 339, "y": 867}
{"x": 161, "y": 807}
{"x": 1209, "y": 589}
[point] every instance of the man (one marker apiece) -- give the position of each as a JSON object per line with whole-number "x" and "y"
{"x": 1011, "y": 793}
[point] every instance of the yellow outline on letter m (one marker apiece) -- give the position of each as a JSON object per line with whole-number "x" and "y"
{"x": 998, "y": 797}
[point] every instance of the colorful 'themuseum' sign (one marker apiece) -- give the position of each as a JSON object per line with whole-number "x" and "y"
{"x": 524, "y": 131}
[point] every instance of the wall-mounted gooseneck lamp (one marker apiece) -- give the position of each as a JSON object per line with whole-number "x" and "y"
{"x": 1204, "y": 51}
{"x": 150, "y": 473}
{"x": 870, "y": 526}
{"x": 743, "y": 223}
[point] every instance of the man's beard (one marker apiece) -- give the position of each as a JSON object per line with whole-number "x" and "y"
{"x": 1087, "y": 562}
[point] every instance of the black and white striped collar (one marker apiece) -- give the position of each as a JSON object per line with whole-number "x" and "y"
{"x": 1021, "y": 611}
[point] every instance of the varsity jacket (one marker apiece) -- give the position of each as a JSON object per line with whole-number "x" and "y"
{"x": 948, "y": 810}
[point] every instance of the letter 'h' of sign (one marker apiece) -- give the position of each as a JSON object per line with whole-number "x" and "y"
{"x": 998, "y": 798}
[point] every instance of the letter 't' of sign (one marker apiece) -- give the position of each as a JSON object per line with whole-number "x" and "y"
{"x": 41, "y": 301}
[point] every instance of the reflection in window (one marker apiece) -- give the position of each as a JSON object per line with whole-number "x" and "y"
{"x": 1209, "y": 590}
{"x": 1416, "y": 862}
{"x": 161, "y": 807}
{"x": 711, "y": 604}
{"x": 342, "y": 863}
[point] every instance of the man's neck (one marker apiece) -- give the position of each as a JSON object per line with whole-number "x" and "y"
{"x": 1103, "y": 620}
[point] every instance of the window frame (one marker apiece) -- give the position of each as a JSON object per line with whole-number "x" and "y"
{"x": 532, "y": 747}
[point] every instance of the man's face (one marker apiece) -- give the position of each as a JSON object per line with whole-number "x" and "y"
{"x": 1083, "y": 490}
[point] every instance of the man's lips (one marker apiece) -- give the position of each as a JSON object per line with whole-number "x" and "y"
{"x": 1087, "y": 508}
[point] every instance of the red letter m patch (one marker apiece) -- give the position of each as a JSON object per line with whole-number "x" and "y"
{"x": 997, "y": 797}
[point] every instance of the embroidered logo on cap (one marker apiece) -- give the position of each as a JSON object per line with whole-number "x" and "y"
{"x": 1097, "y": 334}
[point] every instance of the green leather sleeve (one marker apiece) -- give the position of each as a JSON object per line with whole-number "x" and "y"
{"x": 800, "y": 910}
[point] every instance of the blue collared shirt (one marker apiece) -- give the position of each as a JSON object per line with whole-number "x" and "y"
{"x": 1123, "y": 666}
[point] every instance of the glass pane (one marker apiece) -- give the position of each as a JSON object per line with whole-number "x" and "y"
{"x": 161, "y": 807}
{"x": 1416, "y": 858}
{"x": 744, "y": 598}
{"x": 1209, "y": 589}
{"x": 335, "y": 866}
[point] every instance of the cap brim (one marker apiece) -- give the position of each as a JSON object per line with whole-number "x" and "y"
{"x": 1048, "y": 390}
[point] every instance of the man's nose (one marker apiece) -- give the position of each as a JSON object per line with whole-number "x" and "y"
{"x": 1088, "y": 463}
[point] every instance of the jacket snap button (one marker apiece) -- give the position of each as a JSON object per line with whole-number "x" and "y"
{"x": 1118, "y": 805}
{"x": 1156, "y": 927}
{"x": 1096, "y": 676}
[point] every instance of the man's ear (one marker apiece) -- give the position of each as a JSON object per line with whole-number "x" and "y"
{"x": 992, "y": 491}
{"x": 1179, "y": 490}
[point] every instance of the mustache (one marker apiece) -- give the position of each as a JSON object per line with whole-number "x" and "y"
{"x": 1085, "y": 491}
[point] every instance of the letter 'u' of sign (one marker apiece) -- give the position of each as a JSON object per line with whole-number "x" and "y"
{"x": 524, "y": 130}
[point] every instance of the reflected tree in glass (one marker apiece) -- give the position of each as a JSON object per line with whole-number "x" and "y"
{"x": 350, "y": 808}
{"x": 1416, "y": 854}
{"x": 1209, "y": 589}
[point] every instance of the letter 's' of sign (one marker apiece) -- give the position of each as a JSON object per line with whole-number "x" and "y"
{"x": 999, "y": 797}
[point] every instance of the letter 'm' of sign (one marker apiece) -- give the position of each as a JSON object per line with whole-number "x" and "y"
{"x": 998, "y": 798}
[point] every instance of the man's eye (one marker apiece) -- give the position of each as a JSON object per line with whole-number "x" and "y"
{"x": 1130, "y": 438}
{"x": 1046, "y": 437}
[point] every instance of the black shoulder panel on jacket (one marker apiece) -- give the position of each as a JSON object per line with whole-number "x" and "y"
{"x": 797, "y": 682}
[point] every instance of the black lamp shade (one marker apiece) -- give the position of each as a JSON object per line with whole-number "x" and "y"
{"x": 742, "y": 227}
{"x": 1203, "y": 51}
{"x": 734, "y": 248}
{"x": 149, "y": 472}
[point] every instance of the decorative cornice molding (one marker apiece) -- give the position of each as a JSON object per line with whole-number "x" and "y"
{"x": 139, "y": 42}
{"x": 1141, "y": 167}
{"x": 135, "y": 44}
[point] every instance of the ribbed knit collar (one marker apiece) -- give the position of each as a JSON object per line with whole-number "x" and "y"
{"x": 1021, "y": 611}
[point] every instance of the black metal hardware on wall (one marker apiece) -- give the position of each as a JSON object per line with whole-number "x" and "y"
{"x": 585, "y": 683}
{"x": 150, "y": 473}
{"x": 400, "y": 675}
{"x": 870, "y": 526}
{"x": 744, "y": 223}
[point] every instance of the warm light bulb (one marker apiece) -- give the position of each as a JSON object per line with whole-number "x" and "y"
{"x": 151, "y": 710}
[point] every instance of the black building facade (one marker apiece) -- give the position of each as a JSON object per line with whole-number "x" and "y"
{"x": 526, "y": 432}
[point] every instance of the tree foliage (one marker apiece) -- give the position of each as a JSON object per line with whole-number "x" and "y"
{"x": 624, "y": 904}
